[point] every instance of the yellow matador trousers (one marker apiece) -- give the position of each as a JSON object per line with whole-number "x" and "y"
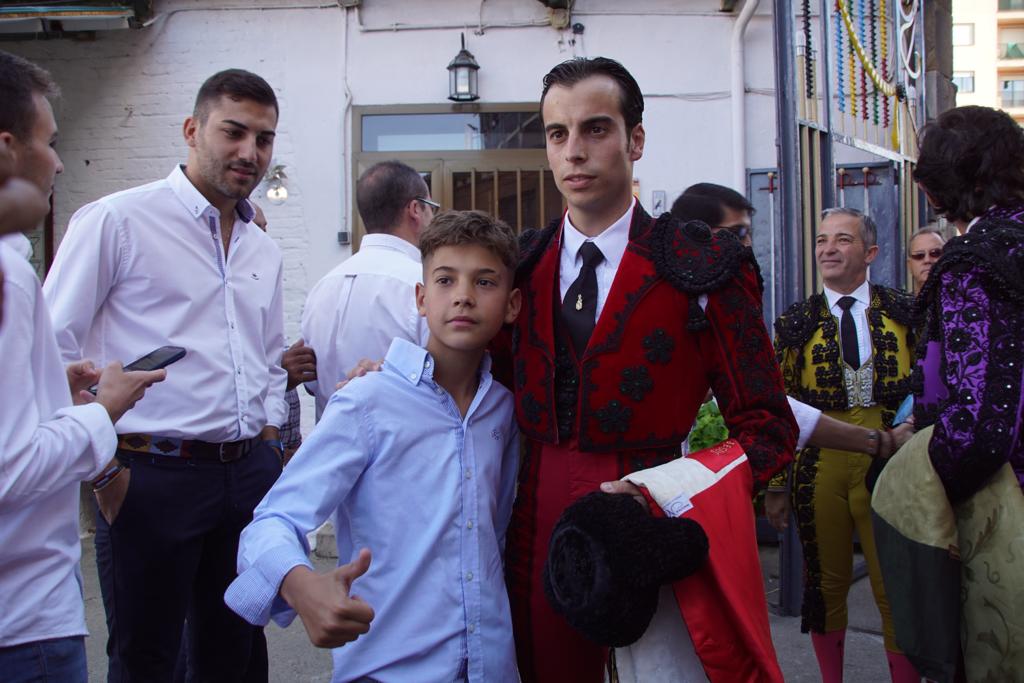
{"x": 830, "y": 501}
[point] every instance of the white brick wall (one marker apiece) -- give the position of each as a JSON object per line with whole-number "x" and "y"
{"x": 127, "y": 93}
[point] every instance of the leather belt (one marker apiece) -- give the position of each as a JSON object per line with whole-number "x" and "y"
{"x": 154, "y": 444}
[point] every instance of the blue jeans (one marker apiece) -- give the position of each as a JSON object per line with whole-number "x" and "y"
{"x": 61, "y": 660}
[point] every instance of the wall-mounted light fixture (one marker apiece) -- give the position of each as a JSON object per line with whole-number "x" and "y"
{"x": 277, "y": 193}
{"x": 462, "y": 76}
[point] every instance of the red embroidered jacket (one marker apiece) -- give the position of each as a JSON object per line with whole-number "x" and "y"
{"x": 654, "y": 351}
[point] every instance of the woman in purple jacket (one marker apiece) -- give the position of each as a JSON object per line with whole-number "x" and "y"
{"x": 968, "y": 379}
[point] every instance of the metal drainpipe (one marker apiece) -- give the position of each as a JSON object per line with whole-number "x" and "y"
{"x": 738, "y": 97}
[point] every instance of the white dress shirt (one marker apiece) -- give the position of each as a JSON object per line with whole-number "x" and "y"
{"x": 612, "y": 243}
{"x": 145, "y": 268}
{"x": 46, "y": 448}
{"x": 358, "y": 308}
{"x": 859, "y": 312}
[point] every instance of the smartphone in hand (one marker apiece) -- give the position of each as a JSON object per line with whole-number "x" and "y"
{"x": 154, "y": 360}
{"x": 905, "y": 410}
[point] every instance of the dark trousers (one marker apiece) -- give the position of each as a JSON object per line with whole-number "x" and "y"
{"x": 60, "y": 660}
{"x": 171, "y": 553}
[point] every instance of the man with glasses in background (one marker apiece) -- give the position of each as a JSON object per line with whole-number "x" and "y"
{"x": 923, "y": 251}
{"x": 722, "y": 208}
{"x": 358, "y": 308}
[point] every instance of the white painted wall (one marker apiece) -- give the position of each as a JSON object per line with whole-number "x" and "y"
{"x": 127, "y": 93}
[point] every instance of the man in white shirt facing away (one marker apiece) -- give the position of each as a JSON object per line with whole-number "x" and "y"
{"x": 179, "y": 262}
{"x": 48, "y": 445}
{"x": 368, "y": 300}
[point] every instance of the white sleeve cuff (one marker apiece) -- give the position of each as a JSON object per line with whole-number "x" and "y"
{"x": 806, "y": 420}
{"x": 94, "y": 418}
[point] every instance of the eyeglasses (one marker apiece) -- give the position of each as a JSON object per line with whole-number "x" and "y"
{"x": 740, "y": 231}
{"x": 919, "y": 255}
{"x": 429, "y": 202}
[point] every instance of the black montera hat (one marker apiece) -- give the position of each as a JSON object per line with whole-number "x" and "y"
{"x": 608, "y": 558}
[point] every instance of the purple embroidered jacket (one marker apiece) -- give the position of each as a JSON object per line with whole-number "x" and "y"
{"x": 970, "y": 364}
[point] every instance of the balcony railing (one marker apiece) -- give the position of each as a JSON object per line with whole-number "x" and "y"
{"x": 1012, "y": 97}
{"x": 1011, "y": 50}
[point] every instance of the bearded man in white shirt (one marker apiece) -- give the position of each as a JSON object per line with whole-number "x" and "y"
{"x": 49, "y": 445}
{"x": 179, "y": 262}
{"x": 358, "y": 308}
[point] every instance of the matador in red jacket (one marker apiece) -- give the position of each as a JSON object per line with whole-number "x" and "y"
{"x": 627, "y": 321}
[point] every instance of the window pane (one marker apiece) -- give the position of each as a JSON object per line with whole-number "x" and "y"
{"x": 462, "y": 190}
{"x": 432, "y": 132}
{"x": 964, "y": 81}
{"x": 963, "y": 34}
{"x": 485, "y": 192}
{"x": 1011, "y": 42}
{"x": 1013, "y": 93}
{"x": 1012, "y": 5}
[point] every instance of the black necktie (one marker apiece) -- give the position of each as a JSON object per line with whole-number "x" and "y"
{"x": 579, "y": 309}
{"x": 848, "y": 333}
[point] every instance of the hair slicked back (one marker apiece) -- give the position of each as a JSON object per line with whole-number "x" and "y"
{"x": 868, "y": 228}
{"x": 235, "y": 84}
{"x": 20, "y": 79}
{"x": 572, "y": 71}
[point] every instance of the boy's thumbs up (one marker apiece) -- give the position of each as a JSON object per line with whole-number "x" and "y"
{"x": 331, "y": 616}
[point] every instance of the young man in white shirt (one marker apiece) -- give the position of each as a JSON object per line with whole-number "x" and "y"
{"x": 369, "y": 299}
{"x": 49, "y": 445}
{"x": 179, "y": 262}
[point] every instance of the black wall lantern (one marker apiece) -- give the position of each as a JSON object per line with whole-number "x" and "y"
{"x": 462, "y": 76}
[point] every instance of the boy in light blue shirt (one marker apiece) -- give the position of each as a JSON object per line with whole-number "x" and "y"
{"x": 417, "y": 462}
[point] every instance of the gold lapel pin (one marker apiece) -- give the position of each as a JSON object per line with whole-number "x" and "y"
{"x": 579, "y": 302}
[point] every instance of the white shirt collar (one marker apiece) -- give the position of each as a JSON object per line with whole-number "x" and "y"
{"x": 20, "y": 243}
{"x": 384, "y": 240}
{"x": 194, "y": 201}
{"x": 612, "y": 241}
{"x": 971, "y": 224}
{"x": 862, "y": 294}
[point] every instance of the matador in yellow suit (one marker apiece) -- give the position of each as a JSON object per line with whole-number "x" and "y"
{"x": 847, "y": 351}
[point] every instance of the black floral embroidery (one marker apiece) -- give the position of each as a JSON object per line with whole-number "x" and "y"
{"x": 796, "y": 326}
{"x": 805, "y": 471}
{"x": 636, "y": 382}
{"x": 614, "y": 417}
{"x": 957, "y": 340}
{"x": 974, "y": 302}
{"x": 659, "y": 346}
{"x": 694, "y": 260}
{"x": 520, "y": 373}
{"x": 531, "y": 408}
